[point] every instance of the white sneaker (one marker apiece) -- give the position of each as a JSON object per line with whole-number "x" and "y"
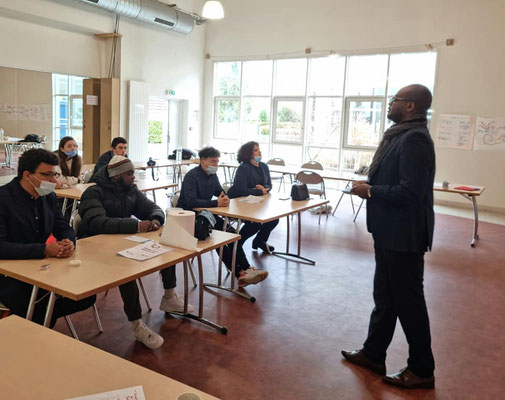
{"x": 147, "y": 337}
{"x": 251, "y": 276}
{"x": 174, "y": 304}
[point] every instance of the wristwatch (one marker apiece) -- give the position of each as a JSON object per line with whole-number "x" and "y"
{"x": 369, "y": 192}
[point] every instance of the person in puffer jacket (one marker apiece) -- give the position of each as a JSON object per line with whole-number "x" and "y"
{"x": 116, "y": 205}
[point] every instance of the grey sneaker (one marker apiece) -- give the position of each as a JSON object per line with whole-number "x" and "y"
{"x": 147, "y": 336}
{"x": 251, "y": 276}
{"x": 174, "y": 304}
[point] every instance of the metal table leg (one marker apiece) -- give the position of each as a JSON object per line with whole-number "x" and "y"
{"x": 31, "y": 304}
{"x": 50, "y": 308}
{"x": 298, "y": 254}
{"x": 199, "y": 317}
{"x": 240, "y": 292}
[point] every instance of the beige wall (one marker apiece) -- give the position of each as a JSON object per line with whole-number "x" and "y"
{"x": 58, "y": 36}
{"x": 26, "y": 88}
{"x": 470, "y": 78}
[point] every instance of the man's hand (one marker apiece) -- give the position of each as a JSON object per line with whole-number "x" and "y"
{"x": 361, "y": 190}
{"x": 155, "y": 225}
{"x": 223, "y": 200}
{"x": 144, "y": 226}
{"x": 67, "y": 248}
{"x": 61, "y": 249}
{"x": 59, "y": 185}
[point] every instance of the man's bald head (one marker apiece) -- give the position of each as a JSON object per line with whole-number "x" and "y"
{"x": 420, "y": 95}
{"x": 410, "y": 102}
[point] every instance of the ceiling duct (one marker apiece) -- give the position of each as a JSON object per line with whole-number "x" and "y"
{"x": 151, "y": 11}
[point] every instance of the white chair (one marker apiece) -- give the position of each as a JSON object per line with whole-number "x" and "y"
{"x": 315, "y": 184}
{"x": 278, "y": 176}
{"x": 86, "y": 176}
{"x": 313, "y": 165}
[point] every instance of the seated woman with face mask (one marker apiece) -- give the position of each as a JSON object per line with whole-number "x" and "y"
{"x": 70, "y": 163}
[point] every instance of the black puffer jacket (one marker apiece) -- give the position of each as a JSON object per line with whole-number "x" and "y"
{"x": 108, "y": 208}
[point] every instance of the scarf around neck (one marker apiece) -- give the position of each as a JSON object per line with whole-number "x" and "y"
{"x": 390, "y": 137}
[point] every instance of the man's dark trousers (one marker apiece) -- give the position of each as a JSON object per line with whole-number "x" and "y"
{"x": 398, "y": 293}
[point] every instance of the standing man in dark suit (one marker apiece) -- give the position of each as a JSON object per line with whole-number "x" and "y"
{"x": 399, "y": 195}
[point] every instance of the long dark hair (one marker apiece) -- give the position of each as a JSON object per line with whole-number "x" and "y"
{"x": 75, "y": 169}
{"x": 246, "y": 151}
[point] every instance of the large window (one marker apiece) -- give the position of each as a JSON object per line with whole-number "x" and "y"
{"x": 330, "y": 109}
{"x": 67, "y": 108}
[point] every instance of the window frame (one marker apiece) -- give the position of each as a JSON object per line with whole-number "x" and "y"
{"x": 345, "y": 131}
{"x": 273, "y": 119}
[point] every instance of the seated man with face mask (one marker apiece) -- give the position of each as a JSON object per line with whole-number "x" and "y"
{"x": 108, "y": 207}
{"x": 29, "y": 214}
{"x": 199, "y": 186}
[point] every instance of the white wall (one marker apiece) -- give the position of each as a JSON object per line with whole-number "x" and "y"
{"x": 471, "y": 74}
{"x": 58, "y": 36}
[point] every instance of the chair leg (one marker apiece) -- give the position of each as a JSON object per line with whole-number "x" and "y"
{"x": 146, "y": 298}
{"x": 352, "y": 204}
{"x": 71, "y": 327}
{"x": 97, "y": 319}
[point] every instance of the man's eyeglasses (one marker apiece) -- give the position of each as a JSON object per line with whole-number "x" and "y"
{"x": 49, "y": 174}
{"x": 394, "y": 99}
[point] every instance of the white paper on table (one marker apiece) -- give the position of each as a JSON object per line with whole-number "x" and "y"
{"x": 144, "y": 251}
{"x": 131, "y": 393}
{"x": 253, "y": 199}
{"x": 138, "y": 239}
{"x": 174, "y": 235}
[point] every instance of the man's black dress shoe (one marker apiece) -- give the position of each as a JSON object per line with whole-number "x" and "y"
{"x": 358, "y": 357}
{"x": 263, "y": 246}
{"x": 406, "y": 379}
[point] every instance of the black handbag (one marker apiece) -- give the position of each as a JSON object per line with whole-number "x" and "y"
{"x": 204, "y": 222}
{"x": 299, "y": 191}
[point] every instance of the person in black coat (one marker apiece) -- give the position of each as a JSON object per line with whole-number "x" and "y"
{"x": 107, "y": 208}
{"x": 118, "y": 147}
{"x": 199, "y": 187}
{"x": 29, "y": 214}
{"x": 253, "y": 178}
{"x": 399, "y": 195}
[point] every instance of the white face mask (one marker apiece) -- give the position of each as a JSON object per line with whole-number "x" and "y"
{"x": 45, "y": 187}
{"x": 211, "y": 170}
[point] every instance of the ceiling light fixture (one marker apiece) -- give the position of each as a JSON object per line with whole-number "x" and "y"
{"x": 213, "y": 10}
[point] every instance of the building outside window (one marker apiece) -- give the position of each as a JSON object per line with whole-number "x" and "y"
{"x": 67, "y": 108}
{"x": 329, "y": 109}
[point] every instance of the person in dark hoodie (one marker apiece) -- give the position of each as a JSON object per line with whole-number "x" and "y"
{"x": 107, "y": 208}
{"x": 253, "y": 178}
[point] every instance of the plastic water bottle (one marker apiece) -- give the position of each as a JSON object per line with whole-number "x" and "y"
{"x": 2, "y": 134}
{"x": 178, "y": 154}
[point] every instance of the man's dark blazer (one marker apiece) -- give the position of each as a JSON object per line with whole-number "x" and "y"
{"x": 400, "y": 212}
{"x": 18, "y": 236}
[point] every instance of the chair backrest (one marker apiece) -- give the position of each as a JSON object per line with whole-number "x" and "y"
{"x": 276, "y": 161}
{"x": 309, "y": 177}
{"x": 313, "y": 165}
{"x": 175, "y": 199}
{"x": 76, "y": 220}
{"x": 87, "y": 176}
